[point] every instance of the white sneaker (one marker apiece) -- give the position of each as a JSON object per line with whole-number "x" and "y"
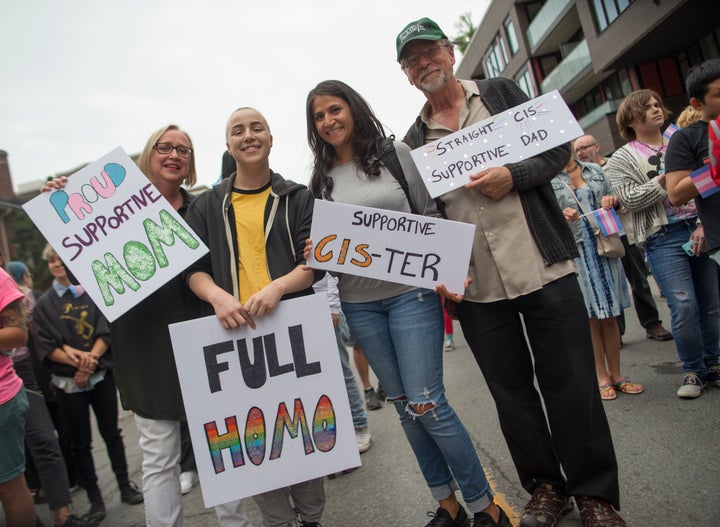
{"x": 692, "y": 386}
{"x": 187, "y": 481}
{"x": 364, "y": 439}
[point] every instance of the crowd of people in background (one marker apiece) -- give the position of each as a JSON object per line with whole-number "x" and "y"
{"x": 542, "y": 310}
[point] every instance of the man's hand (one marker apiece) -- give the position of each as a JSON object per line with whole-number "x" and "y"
{"x": 495, "y": 182}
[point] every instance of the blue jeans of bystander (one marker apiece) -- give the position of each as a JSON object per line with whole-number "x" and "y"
{"x": 357, "y": 409}
{"x": 690, "y": 286}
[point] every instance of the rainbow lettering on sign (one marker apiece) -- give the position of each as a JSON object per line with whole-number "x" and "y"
{"x": 322, "y": 436}
{"x": 218, "y": 443}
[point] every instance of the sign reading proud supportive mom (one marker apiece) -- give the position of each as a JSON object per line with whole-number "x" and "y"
{"x": 266, "y": 407}
{"x": 114, "y": 230}
{"x": 507, "y": 137}
{"x": 392, "y": 246}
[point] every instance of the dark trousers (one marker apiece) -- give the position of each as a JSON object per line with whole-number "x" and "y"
{"x": 43, "y": 448}
{"x": 76, "y": 408}
{"x": 636, "y": 273}
{"x": 578, "y": 438}
{"x": 63, "y": 431}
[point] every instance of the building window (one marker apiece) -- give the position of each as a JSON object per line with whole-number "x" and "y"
{"x": 525, "y": 81}
{"x": 511, "y": 36}
{"x": 606, "y": 11}
{"x": 496, "y": 57}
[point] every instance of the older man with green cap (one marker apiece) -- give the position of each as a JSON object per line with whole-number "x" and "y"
{"x": 523, "y": 283}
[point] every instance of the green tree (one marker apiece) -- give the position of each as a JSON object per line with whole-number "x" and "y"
{"x": 465, "y": 31}
{"x": 28, "y": 246}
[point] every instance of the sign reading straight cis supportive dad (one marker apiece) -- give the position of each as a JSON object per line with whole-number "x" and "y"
{"x": 266, "y": 407}
{"x": 507, "y": 137}
{"x": 393, "y": 246}
{"x": 121, "y": 239}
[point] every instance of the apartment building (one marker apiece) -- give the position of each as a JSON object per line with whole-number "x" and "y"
{"x": 595, "y": 52}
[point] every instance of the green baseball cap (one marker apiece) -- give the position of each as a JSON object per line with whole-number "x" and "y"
{"x": 423, "y": 29}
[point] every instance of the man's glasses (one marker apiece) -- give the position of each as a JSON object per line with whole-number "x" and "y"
{"x": 166, "y": 148}
{"x": 583, "y": 148}
{"x": 411, "y": 61}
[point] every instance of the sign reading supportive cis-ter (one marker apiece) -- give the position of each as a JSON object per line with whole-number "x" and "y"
{"x": 507, "y": 137}
{"x": 114, "y": 230}
{"x": 410, "y": 249}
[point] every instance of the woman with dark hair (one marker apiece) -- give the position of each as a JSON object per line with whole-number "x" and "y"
{"x": 688, "y": 281}
{"x": 399, "y": 327}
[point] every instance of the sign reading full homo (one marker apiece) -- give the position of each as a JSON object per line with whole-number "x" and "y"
{"x": 121, "y": 239}
{"x": 393, "y": 246}
{"x": 266, "y": 407}
{"x": 507, "y": 137}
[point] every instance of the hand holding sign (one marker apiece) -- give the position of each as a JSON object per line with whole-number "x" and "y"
{"x": 507, "y": 137}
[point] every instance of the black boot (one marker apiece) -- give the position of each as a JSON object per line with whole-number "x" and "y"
{"x": 97, "y": 505}
{"x": 129, "y": 493}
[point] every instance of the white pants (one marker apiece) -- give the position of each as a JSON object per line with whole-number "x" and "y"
{"x": 160, "y": 445}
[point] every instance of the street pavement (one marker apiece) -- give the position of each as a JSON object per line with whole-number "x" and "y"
{"x": 667, "y": 450}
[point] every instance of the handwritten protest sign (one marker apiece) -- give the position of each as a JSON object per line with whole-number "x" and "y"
{"x": 507, "y": 137}
{"x": 392, "y": 246}
{"x": 121, "y": 239}
{"x": 266, "y": 407}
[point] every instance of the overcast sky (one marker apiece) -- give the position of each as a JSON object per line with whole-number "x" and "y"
{"x": 80, "y": 78}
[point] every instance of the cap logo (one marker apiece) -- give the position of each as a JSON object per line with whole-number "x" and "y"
{"x": 412, "y": 29}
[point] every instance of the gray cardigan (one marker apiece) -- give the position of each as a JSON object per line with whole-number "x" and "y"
{"x": 642, "y": 196}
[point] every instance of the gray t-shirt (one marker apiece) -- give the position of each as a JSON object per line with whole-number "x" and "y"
{"x": 351, "y": 185}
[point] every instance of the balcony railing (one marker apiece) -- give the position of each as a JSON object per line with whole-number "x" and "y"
{"x": 545, "y": 21}
{"x": 571, "y": 66}
{"x": 589, "y": 119}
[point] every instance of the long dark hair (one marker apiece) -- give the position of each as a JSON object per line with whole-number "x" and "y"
{"x": 367, "y": 134}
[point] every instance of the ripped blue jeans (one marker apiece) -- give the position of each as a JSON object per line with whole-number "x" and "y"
{"x": 402, "y": 338}
{"x": 690, "y": 286}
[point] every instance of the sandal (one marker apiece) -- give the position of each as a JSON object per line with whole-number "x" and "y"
{"x": 625, "y": 386}
{"x": 607, "y": 392}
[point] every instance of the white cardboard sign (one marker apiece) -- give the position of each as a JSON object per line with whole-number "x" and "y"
{"x": 507, "y": 137}
{"x": 393, "y": 246}
{"x": 266, "y": 407}
{"x": 114, "y": 230}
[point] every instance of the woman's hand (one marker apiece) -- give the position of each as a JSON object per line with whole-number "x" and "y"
{"x": 82, "y": 359}
{"x": 441, "y": 290}
{"x": 609, "y": 202}
{"x": 571, "y": 214}
{"x": 54, "y": 184}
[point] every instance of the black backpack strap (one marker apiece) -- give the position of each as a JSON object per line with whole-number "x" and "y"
{"x": 389, "y": 157}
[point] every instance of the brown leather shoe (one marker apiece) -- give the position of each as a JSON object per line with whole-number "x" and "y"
{"x": 657, "y": 332}
{"x": 596, "y": 512}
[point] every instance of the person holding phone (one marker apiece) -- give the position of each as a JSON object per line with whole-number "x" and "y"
{"x": 663, "y": 228}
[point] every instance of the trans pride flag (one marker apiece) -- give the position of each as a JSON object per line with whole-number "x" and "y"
{"x": 702, "y": 178}
{"x": 671, "y": 129}
{"x": 608, "y": 221}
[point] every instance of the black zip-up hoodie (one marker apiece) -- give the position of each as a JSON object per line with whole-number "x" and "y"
{"x": 288, "y": 216}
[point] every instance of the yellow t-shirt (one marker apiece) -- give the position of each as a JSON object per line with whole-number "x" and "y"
{"x": 249, "y": 210}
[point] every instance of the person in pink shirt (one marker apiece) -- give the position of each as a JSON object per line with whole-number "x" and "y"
{"x": 14, "y": 494}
